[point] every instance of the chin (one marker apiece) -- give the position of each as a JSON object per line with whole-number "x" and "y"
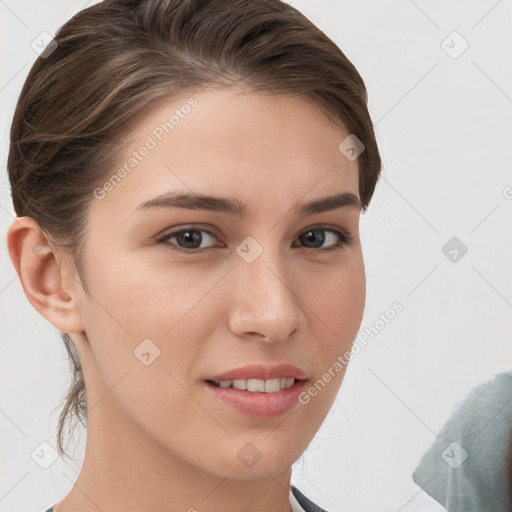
{"x": 251, "y": 465}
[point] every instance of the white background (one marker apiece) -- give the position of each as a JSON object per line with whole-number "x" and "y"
{"x": 444, "y": 127}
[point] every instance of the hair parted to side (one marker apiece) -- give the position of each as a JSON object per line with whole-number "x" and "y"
{"x": 114, "y": 58}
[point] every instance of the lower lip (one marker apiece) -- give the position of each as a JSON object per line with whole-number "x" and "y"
{"x": 259, "y": 404}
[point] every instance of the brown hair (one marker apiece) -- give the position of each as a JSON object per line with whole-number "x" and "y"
{"x": 114, "y": 58}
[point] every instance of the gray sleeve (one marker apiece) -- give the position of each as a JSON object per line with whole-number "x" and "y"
{"x": 465, "y": 467}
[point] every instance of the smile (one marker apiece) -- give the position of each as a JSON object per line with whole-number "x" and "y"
{"x": 257, "y": 398}
{"x": 257, "y": 385}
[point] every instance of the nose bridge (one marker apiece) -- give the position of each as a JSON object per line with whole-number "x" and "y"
{"x": 264, "y": 301}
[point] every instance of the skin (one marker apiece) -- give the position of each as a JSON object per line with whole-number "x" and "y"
{"x": 155, "y": 435}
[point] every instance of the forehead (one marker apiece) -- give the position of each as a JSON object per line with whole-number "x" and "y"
{"x": 229, "y": 141}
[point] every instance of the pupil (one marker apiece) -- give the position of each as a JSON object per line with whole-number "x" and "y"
{"x": 195, "y": 238}
{"x": 311, "y": 235}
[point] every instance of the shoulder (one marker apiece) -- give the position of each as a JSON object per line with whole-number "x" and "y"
{"x": 466, "y": 466}
{"x": 484, "y": 405}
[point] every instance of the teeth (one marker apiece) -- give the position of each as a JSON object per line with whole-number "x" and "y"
{"x": 258, "y": 385}
{"x": 240, "y": 384}
{"x": 271, "y": 386}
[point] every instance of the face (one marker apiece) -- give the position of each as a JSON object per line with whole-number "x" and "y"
{"x": 185, "y": 290}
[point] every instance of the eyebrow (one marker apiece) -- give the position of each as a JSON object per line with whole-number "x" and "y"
{"x": 239, "y": 209}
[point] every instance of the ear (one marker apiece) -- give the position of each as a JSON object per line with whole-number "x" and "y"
{"x": 49, "y": 285}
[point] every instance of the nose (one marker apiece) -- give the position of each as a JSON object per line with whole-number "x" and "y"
{"x": 264, "y": 305}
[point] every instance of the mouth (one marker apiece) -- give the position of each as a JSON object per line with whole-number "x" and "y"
{"x": 256, "y": 385}
{"x": 257, "y": 398}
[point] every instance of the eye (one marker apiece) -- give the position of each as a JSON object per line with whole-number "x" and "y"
{"x": 189, "y": 239}
{"x": 316, "y": 237}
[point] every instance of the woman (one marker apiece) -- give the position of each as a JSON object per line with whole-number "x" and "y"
{"x": 188, "y": 178}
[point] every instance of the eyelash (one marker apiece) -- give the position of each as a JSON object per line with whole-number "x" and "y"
{"x": 344, "y": 239}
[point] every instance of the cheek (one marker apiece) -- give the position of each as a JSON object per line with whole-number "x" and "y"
{"x": 136, "y": 297}
{"x": 144, "y": 329}
{"x": 158, "y": 314}
{"x": 335, "y": 301}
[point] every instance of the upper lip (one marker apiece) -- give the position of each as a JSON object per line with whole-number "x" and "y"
{"x": 260, "y": 371}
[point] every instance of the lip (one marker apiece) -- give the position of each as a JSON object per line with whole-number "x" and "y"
{"x": 262, "y": 372}
{"x": 257, "y": 404}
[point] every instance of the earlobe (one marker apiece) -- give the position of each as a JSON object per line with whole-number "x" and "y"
{"x": 49, "y": 286}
